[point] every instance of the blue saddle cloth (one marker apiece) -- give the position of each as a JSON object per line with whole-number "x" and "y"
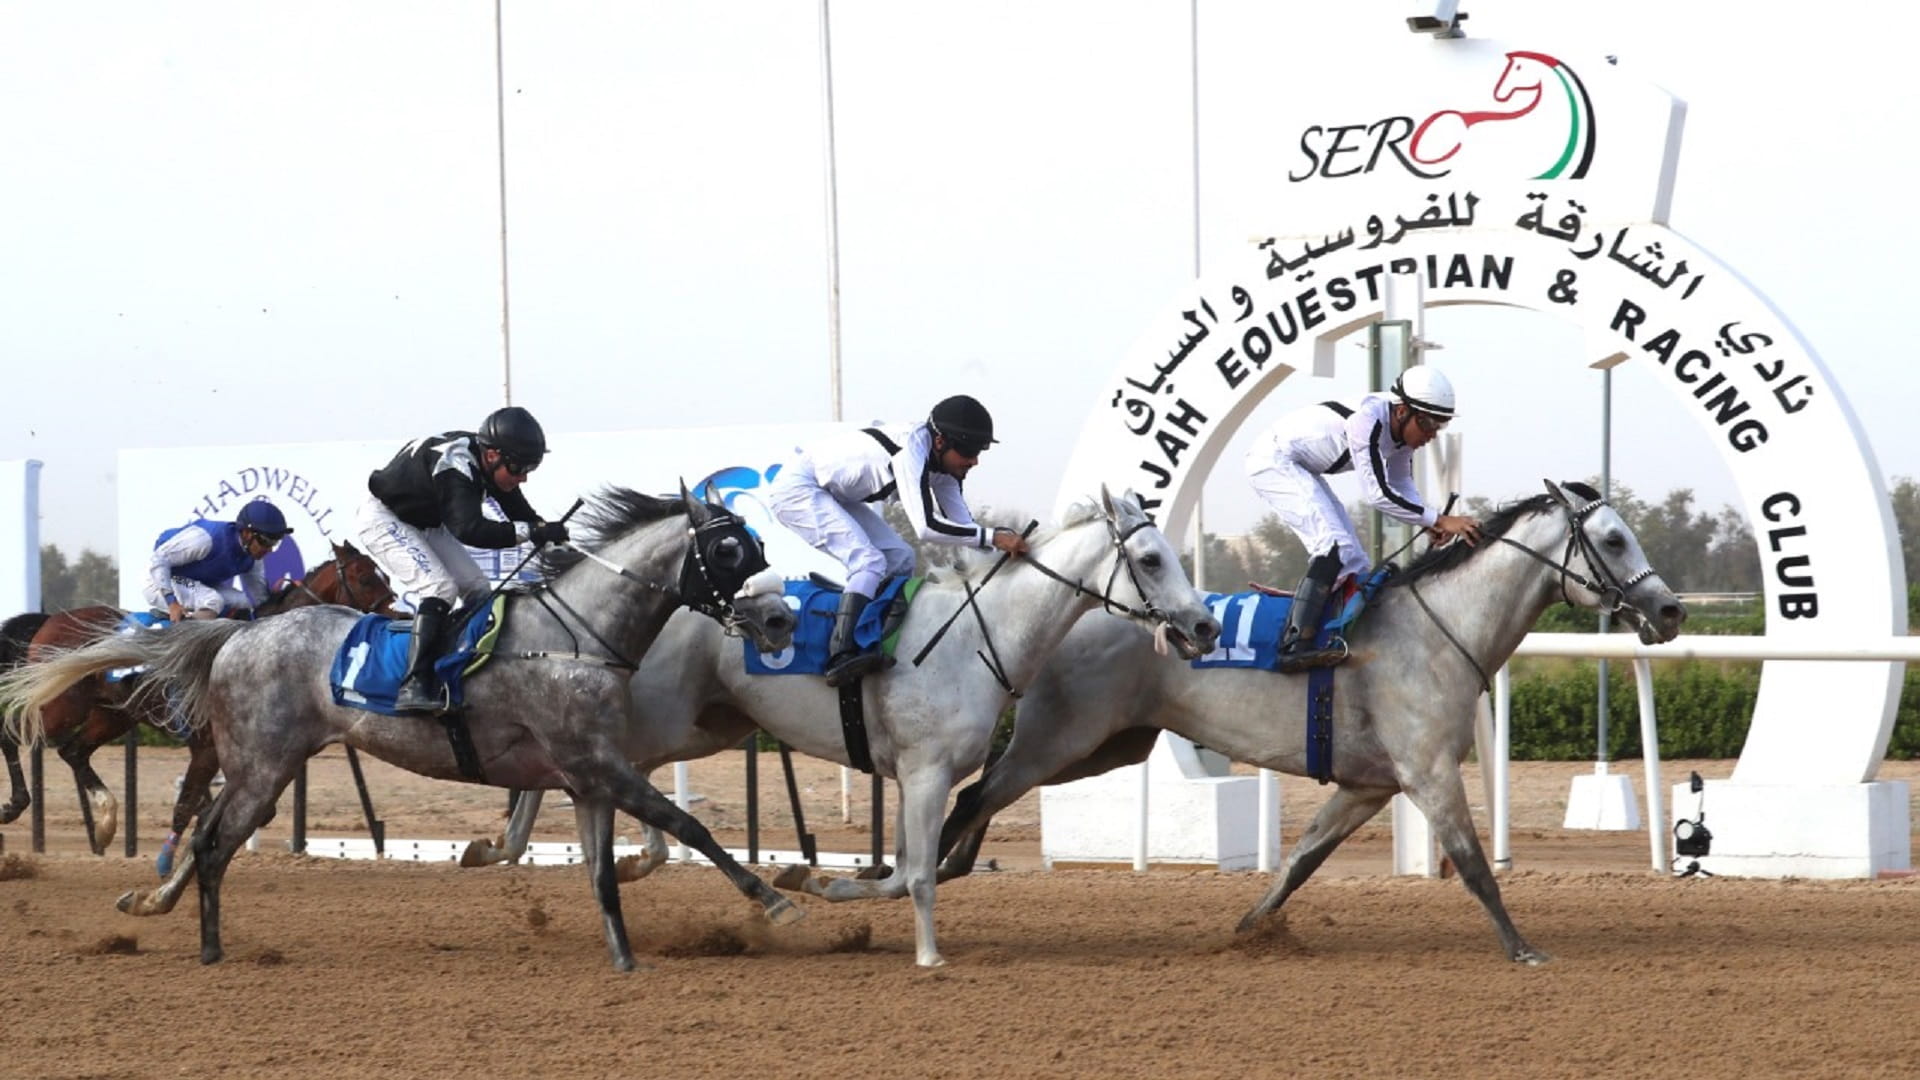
{"x": 815, "y": 606}
{"x": 1251, "y": 623}
{"x": 372, "y": 661}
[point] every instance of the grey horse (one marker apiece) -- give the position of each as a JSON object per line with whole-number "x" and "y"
{"x": 548, "y": 711}
{"x": 930, "y": 724}
{"x": 1403, "y": 704}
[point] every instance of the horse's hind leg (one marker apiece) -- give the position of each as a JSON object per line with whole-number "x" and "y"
{"x": 1345, "y": 811}
{"x": 636, "y": 796}
{"x": 20, "y": 797}
{"x": 513, "y": 843}
{"x": 98, "y": 808}
{"x": 253, "y": 786}
{"x": 1443, "y": 799}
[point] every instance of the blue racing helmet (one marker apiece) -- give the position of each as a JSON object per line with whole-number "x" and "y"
{"x": 264, "y": 518}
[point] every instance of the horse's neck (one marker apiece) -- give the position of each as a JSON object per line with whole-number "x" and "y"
{"x": 1028, "y": 614}
{"x": 1492, "y": 602}
{"x": 624, "y": 612}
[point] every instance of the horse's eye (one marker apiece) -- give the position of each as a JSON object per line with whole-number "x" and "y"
{"x": 727, "y": 554}
{"x": 1151, "y": 560}
{"x": 1616, "y": 542}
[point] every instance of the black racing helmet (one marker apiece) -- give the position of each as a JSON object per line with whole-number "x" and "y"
{"x": 264, "y": 518}
{"x": 965, "y": 423}
{"x": 516, "y": 434}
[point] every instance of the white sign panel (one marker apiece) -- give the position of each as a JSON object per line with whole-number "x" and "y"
{"x": 320, "y": 486}
{"x": 19, "y": 537}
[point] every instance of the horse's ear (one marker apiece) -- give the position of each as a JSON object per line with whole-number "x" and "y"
{"x": 697, "y": 511}
{"x": 1559, "y": 496}
{"x": 1106, "y": 502}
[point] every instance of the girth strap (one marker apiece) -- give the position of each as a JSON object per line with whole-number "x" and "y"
{"x": 464, "y": 754}
{"x": 853, "y": 725}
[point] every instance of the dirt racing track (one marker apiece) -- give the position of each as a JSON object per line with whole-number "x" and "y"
{"x": 341, "y": 969}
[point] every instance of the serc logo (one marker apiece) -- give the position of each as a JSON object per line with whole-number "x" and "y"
{"x": 1539, "y": 125}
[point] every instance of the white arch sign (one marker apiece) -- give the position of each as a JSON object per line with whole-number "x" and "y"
{"x": 1389, "y": 192}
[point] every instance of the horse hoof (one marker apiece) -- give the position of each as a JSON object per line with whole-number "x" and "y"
{"x": 1532, "y": 957}
{"x": 11, "y": 813}
{"x": 628, "y": 868}
{"x": 212, "y": 955}
{"x": 127, "y": 900}
{"x": 876, "y": 872}
{"x": 785, "y": 911}
{"x": 792, "y": 879}
{"x": 477, "y": 854}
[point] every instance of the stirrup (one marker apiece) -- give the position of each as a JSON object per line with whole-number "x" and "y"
{"x": 419, "y": 697}
{"x": 856, "y": 666}
{"x": 1333, "y": 655}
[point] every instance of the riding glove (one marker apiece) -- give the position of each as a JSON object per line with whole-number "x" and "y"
{"x": 548, "y": 532}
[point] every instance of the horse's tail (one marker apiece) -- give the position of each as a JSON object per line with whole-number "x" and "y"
{"x": 179, "y": 657}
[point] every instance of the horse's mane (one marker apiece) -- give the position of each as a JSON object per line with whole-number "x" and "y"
{"x": 1442, "y": 559}
{"x": 606, "y": 516}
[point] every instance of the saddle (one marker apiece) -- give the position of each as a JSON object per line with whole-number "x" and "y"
{"x": 371, "y": 662}
{"x": 815, "y": 599}
{"x": 1251, "y": 622}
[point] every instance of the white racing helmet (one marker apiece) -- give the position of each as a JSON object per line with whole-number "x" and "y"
{"x": 1424, "y": 389}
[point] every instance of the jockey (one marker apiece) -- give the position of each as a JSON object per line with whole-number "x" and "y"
{"x": 425, "y": 511}
{"x": 1375, "y": 437}
{"x": 824, "y": 494}
{"x": 194, "y": 565}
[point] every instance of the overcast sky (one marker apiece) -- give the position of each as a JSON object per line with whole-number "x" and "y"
{"x": 244, "y": 222}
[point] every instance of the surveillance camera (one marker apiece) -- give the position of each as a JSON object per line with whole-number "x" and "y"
{"x": 1440, "y": 18}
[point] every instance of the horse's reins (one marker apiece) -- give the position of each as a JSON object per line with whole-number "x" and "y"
{"x": 720, "y": 607}
{"x": 991, "y": 657}
{"x": 1613, "y": 593}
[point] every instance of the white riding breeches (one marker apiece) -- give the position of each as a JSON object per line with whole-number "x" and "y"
{"x": 855, "y": 534}
{"x": 195, "y": 598}
{"x": 419, "y": 562}
{"x": 1304, "y": 502}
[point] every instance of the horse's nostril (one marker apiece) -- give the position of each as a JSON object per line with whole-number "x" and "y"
{"x": 1674, "y": 613}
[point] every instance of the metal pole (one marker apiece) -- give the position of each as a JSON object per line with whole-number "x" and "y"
{"x": 500, "y": 136}
{"x": 1193, "y": 41}
{"x": 1606, "y": 491}
{"x": 833, "y": 286}
{"x": 132, "y": 792}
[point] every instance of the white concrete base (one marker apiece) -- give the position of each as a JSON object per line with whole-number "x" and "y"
{"x": 1192, "y": 817}
{"x": 1795, "y": 830}
{"x": 1601, "y": 800}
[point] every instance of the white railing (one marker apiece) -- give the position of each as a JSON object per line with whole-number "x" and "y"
{"x": 1628, "y": 647}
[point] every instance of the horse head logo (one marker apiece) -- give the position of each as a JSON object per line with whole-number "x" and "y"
{"x": 1560, "y": 142}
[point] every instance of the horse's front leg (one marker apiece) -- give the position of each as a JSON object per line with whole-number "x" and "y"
{"x": 1347, "y": 810}
{"x": 21, "y": 797}
{"x": 594, "y": 815}
{"x": 513, "y": 843}
{"x": 923, "y": 797}
{"x": 1442, "y": 797}
{"x": 194, "y": 797}
{"x": 633, "y": 794}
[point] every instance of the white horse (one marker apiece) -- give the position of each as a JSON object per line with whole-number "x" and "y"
{"x": 928, "y": 725}
{"x": 1403, "y": 703}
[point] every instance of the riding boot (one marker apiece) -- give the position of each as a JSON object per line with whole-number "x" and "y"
{"x": 1303, "y": 619}
{"x": 847, "y": 662}
{"x": 420, "y": 692}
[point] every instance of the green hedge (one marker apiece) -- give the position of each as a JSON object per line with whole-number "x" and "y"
{"x": 1704, "y": 708}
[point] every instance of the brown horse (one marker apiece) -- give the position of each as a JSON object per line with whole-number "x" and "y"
{"x": 95, "y": 712}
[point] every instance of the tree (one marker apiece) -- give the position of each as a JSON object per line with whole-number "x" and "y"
{"x": 1906, "y": 517}
{"x": 92, "y": 580}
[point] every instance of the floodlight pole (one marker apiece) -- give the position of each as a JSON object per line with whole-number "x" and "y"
{"x": 500, "y": 145}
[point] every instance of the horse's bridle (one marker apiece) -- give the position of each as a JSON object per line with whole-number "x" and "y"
{"x": 1150, "y": 614}
{"x": 722, "y": 557}
{"x": 1612, "y": 591}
